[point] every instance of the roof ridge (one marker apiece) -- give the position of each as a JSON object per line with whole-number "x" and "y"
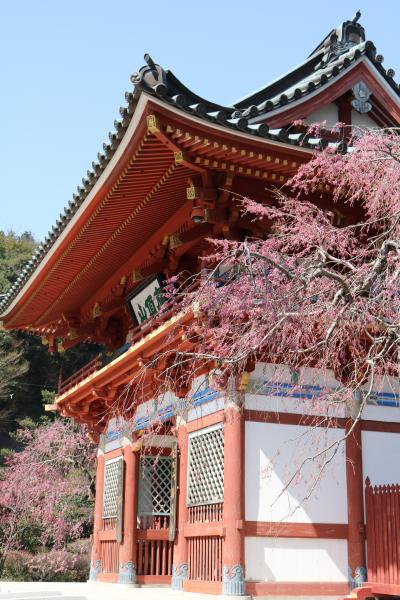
{"x": 163, "y": 84}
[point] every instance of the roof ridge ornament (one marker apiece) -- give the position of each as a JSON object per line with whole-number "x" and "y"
{"x": 342, "y": 39}
{"x": 151, "y": 77}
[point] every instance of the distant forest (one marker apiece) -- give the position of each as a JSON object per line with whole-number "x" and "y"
{"x": 28, "y": 372}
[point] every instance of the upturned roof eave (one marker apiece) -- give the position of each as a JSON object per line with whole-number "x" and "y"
{"x": 281, "y": 110}
{"x": 84, "y": 207}
{"x": 144, "y": 102}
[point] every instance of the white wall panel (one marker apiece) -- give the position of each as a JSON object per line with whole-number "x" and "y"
{"x": 205, "y": 409}
{"x": 381, "y": 457}
{"x": 381, "y": 413}
{"x": 275, "y": 452}
{"x": 362, "y": 120}
{"x": 328, "y": 113}
{"x": 295, "y": 559}
{"x": 275, "y": 388}
{"x": 302, "y": 397}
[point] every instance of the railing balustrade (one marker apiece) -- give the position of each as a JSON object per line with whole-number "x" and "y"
{"x": 91, "y": 367}
{"x": 98, "y": 362}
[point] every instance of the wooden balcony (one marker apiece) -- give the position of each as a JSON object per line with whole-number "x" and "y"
{"x": 100, "y": 361}
{"x": 90, "y": 367}
{"x": 89, "y": 395}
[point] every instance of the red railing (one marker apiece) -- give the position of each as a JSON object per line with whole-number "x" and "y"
{"x": 204, "y": 543}
{"x": 153, "y": 522}
{"x": 110, "y": 524}
{"x": 382, "y": 504}
{"x": 207, "y": 513}
{"x": 85, "y": 371}
{"x": 205, "y": 558}
{"x": 94, "y": 365}
{"x": 154, "y": 551}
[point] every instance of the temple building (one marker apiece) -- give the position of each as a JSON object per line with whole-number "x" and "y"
{"x": 199, "y": 505}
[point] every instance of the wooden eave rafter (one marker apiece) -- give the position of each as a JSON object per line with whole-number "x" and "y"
{"x": 90, "y": 399}
{"x": 134, "y": 263}
{"x": 134, "y": 204}
{"x": 361, "y": 70}
{"x": 54, "y": 289}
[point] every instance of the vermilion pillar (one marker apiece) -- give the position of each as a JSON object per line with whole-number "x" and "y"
{"x": 95, "y": 563}
{"x": 127, "y": 550}
{"x": 233, "y": 582}
{"x": 180, "y": 567}
{"x": 355, "y": 506}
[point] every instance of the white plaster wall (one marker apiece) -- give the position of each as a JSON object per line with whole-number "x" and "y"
{"x": 381, "y": 456}
{"x": 273, "y": 454}
{"x": 381, "y": 413}
{"x": 256, "y": 397}
{"x": 295, "y": 559}
{"x": 362, "y": 120}
{"x": 206, "y": 409}
{"x": 328, "y": 113}
{"x": 259, "y": 397}
{"x": 389, "y": 390}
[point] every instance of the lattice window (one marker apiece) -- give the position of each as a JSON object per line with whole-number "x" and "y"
{"x": 155, "y": 486}
{"x": 113, "y": 474}
{"x": 206, "y": 467}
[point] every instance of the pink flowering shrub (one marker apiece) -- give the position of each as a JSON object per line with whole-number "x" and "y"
{"x": 54, "y": 565}
{"x": 46, "y": 493}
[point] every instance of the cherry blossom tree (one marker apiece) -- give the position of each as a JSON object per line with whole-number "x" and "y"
{"x": 315, "y": 292}
{"x": 46, "y": 489}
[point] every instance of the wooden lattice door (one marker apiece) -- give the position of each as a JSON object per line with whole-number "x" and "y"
{"x": 154, "y": 551}
{"x": 110, "y": 536}
{"x": 205, "y": 496}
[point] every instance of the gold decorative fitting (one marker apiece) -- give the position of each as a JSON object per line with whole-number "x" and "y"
{"x": 244, "y": 381}
{"x": 123, "y": 280}
{"x": 45, "y": 341}
{"x": 178, "y": 156}
{"x": 60, "y": 347}
{"x": 152, "y": 124}
{"x": 174, "y": 242}
{"x": 136, "y": 276}
{"x": 136, "y": 446}
{"x": 191, "y": 193}
{"x": 96, "y": 311}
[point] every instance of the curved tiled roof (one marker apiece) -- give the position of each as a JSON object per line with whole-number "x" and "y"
{"x": 317, "y": 78}
{"x": 328, "y": 61}
{"x": 337, "y": 51}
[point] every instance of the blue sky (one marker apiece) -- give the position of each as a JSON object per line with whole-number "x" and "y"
{"x": 66, "y": 64}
